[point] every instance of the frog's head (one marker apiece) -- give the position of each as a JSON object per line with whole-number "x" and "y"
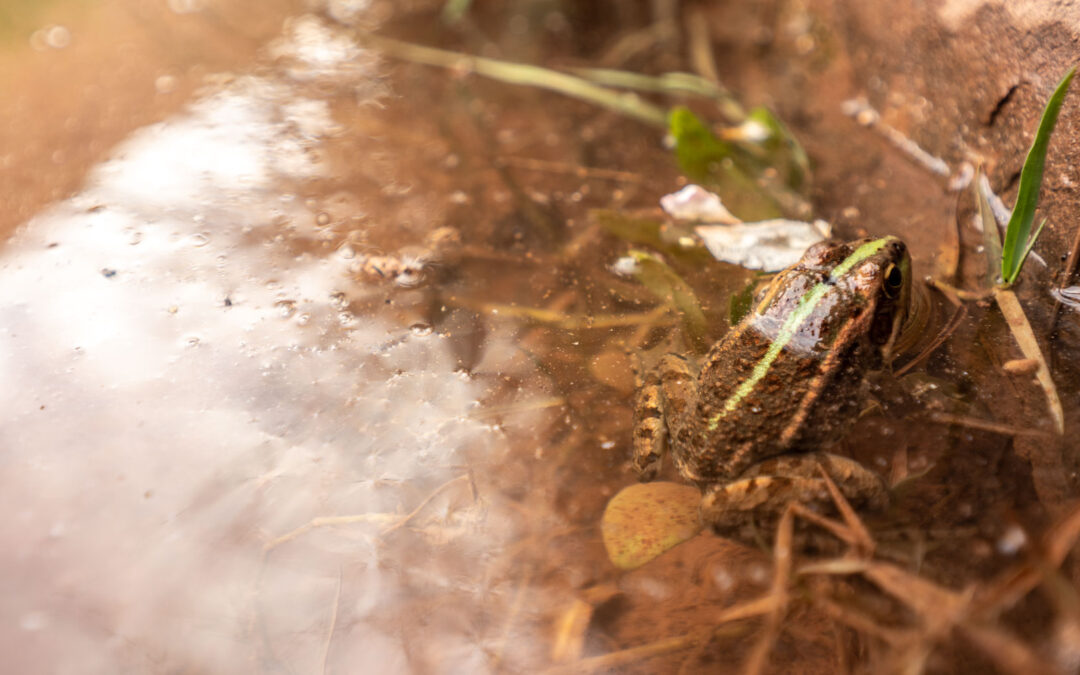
{"x": 878, "y": 273}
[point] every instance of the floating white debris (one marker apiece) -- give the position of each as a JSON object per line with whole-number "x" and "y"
{"x": 769, "y": 245}
{"x": 697, "y": 204}
{"x": 750, "y": 131}
{"x": 1068, "y": 296}
{"x": 624, "y": 266}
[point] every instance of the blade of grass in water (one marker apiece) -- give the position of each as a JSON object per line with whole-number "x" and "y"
{"x": 668, "y": 83}
{"x": 1018, "y": 237}
{"x": 625, "y": 103}
{"x": 666, "y": 284}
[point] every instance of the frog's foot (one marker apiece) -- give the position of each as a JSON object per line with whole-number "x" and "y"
{"x": 650, "y": 431}
{"x": 665, "y": 400}
{"x": 758, "y": 497}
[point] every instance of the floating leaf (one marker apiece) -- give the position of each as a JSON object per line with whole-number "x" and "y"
{"x": 1018, "y": 236}
{"x": 644, "y": 520}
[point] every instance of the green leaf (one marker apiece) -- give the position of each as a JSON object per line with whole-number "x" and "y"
{"x": 1017, "y": 241}
{"x": 710, "y": 162}
{"x": 697, "y": 149}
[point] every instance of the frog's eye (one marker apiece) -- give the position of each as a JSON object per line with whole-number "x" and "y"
{"x": 894, "y": 279}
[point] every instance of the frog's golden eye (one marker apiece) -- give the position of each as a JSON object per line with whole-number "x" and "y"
{"x": 894, "y": 279}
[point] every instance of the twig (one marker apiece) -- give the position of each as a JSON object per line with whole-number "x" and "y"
{"x": 987, "y": 425}
{"x": 333, "y": 623}
{"x": 624, "y": 656}
{"x": 865, "y": 115}
{"x": 778, "y": 594}
{"x": 329, "y": 521}
{"x": 531, "y": 164}
{"x": 420, "y": 507}
{"x": 1025, "y": 339}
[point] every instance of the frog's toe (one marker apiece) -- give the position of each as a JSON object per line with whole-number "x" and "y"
{"x": 859, "y": 485}
{"x": 739, "y": 508}
{"x": 757, "y": 499}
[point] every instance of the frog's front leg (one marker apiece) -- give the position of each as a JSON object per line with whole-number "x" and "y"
{"x": 759, "y": 496}
{"x": 661, "y": 413}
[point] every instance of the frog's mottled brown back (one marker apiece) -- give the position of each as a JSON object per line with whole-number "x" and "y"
{"x": 788, "y": 377}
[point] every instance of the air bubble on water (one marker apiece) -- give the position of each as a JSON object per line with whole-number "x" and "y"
{"x": 191, "y": 341}
{"x": 303, "y": 318}
{"x": 286, "y": 308}
{"x": 199, "y": 239}
{"x": 323, "y": 219}
{"x": 347, "y": 319}
{"x": 420, "y": 329}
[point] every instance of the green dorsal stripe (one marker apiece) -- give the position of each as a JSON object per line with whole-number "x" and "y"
{"x": 791, "y": 325}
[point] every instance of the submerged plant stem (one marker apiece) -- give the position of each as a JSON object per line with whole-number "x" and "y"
{"x": 626, "y": 103}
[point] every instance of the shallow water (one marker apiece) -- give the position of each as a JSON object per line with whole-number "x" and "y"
{"x": 305, "y": 378}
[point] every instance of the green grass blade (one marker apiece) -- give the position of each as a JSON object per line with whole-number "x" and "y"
{"x": 1031, "y": 241}
{"x": 1027, "y": 198}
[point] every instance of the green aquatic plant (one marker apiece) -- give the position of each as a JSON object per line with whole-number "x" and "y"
{"x": 1019, "y": 238}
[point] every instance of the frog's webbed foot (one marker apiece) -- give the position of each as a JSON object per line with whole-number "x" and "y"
{"x": 650, "y": 430}
{"x": 758, "y": 497}
{"x": 662, "y": 413}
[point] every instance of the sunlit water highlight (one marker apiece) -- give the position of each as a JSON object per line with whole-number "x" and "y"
{"x": 182, "y": 391}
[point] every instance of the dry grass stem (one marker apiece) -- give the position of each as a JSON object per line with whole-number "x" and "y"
{"x": 778, "y": 595}
{"x": 986, "y": 425}
{"x": 396, "y": 520}
{"x": 631, "y": 655}
{"x": 1025, "y": 339}
{"x": 864, "y": 543}
{"x": 333, "y": 622}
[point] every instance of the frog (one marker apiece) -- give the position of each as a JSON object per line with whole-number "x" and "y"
{"x": 752, "y": 425}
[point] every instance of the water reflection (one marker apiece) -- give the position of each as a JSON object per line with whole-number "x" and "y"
{"x": 205, "y": 467}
